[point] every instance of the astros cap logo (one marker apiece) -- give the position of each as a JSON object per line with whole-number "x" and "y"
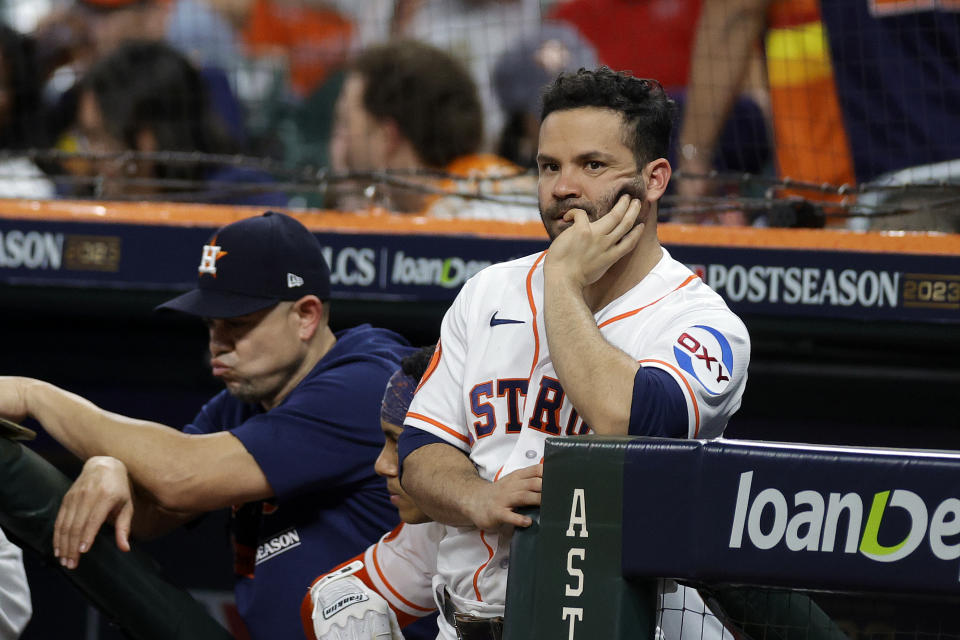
{"x": 208, "y": 261}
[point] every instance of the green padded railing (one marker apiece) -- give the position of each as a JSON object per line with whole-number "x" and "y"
{"x": 127, "y": 588}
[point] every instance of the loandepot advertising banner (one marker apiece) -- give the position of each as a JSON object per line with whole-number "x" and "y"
{"x": 133, "y": 256}
{"x": 423, "y": 267}
{"x": 793, "y": 515}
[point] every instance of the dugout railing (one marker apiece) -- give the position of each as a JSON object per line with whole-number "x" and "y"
{"x": 757, "y": 526}
{"x": 129, "y": 589}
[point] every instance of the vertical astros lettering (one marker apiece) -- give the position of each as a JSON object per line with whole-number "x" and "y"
{"x": 576, "y": 528}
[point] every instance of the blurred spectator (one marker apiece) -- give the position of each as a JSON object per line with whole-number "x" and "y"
{"x": 858, "y": 89}
{"x": 313, "y": 38}
{"x": 664, "y": 52}
{"x": 475, "y": 32}
{"x": 665, "y": 31}
{"x": 20, "y": 122}
{"x": 519, "y": 77}
{"x": 86, "y": 30}
{"x": 200, "y": 30}
{"x": 411, "y": 108}
{"x": 146, "y": 97}
{"x": 802, "y": 82}
{"x": 931, "y": 209}
{"x": 74, "y": 38}
{"x": 371, "y": 21}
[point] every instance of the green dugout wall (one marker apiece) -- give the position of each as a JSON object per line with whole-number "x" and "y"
{"x": 760, "y": 524}
{"x": 128, "y": 588}
{"x": 565, "y": 579}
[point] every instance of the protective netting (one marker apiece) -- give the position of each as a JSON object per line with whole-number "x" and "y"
{"x": 791, "y": 112}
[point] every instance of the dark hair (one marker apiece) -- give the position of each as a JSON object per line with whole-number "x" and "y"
{"x": 429, "y": 95}
{"x": 22, "y": 128}
{"x": 415, "y": 364}
{"x": 647, "y": 110}
{"x": 148, "y": 85}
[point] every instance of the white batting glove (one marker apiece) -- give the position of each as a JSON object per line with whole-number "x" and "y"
{"x": 344, "y": 608}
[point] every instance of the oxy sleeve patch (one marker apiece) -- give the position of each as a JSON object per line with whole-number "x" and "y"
{"x": 705, "y": 354}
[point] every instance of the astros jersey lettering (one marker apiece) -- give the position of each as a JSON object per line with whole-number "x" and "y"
{"x": 492, "y": 390}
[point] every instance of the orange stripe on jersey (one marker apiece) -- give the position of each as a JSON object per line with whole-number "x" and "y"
{"x": 458, "y": 436}
{"x": 476, "y": 575}
{"x": 636, "y": 311}
{"x": 393, "y": 534}
{"x": 434, "y": 361}
{"x": 693, "y": 398}
{"x": 533, "y": 310}
{"x": 376, "y": 565}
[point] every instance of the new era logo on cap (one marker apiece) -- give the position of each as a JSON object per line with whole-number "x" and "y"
{"x": 269, "y": 258}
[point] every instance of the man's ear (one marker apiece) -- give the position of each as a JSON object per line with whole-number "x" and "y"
{"x": 656, "y": 175}
{"x": 393, "y": 139}
{"x": 146, "y": 140}
{"x": 309, "y": 310}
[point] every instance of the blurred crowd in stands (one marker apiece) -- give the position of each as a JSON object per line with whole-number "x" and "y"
{"x": 393, "y": 103}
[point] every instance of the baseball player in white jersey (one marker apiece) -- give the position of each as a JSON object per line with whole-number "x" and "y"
{"x": 603, "y": 333}
{"x": 383, "y": 589}
{"x": 389, "y": 585}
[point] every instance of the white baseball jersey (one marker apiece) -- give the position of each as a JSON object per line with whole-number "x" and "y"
{"x": 683, "y": 615}
{"x": 493, "y": 393}
{"x": 401, "y": 567}
{"x": 15, "y": 605}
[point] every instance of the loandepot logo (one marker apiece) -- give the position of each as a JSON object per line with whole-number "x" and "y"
{"x": 814, "y": 522}
{"x": 443, "y": 272}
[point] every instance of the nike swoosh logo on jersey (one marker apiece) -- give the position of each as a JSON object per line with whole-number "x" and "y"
{"x": 494, "y": 320}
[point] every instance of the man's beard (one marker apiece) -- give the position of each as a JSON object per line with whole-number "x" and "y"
{"x": 262, "y": 389}
{"x": 248, "y": 392}
{"x": 593, "y": 208}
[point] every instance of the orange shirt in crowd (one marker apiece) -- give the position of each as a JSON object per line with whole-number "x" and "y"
{"x": 811, "y": 141}
{"x": 315, "y": 40}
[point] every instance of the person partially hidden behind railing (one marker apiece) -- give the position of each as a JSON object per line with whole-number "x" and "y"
{"x": 389, "y": 585}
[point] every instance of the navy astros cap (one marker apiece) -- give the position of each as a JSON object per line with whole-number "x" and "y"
{"x": 253, "y": 264}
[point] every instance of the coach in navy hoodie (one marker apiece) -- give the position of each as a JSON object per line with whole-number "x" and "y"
{"x": 290, "y": 444}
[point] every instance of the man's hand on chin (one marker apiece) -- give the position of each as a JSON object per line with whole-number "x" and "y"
{"x": 583, "y": 252}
